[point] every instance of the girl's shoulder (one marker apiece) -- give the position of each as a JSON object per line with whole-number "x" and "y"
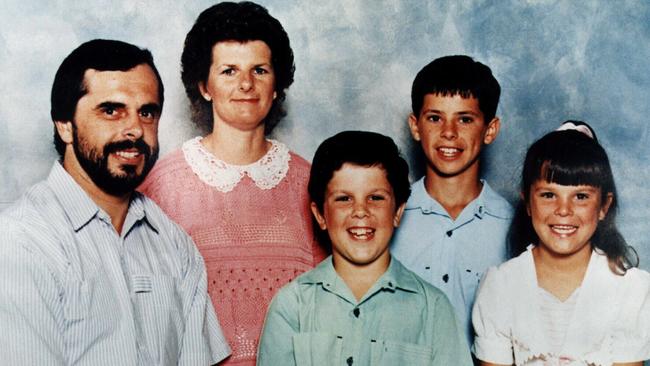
{"x": 523, "y": 263}
{"x": 636, "y": 282}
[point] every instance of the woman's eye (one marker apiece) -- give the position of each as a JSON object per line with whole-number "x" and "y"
{"x": 228, "y": 71}
{"x": 261, "y": 71}
{"x": 341, "y": 199}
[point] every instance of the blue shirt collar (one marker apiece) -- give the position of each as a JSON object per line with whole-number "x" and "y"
{"x": 81, "y": 209}
{"x": 488, "y": 202}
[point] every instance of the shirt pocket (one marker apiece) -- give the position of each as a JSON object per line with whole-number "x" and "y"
{"x": 317, "y": 349}
{"x": 389, "y": 353}
{"x": 158, "y": 307}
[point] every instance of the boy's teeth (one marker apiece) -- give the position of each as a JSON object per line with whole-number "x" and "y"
{"x": 448, "y": 150}
{"x": 361, "y": 233}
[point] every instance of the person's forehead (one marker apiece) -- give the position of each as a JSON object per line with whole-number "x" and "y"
{"x": 139, "y": 80}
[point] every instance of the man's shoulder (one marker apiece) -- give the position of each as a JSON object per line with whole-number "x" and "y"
{"x": 30, "y": 224}
{"x": 167, "y": 228}
{"x": 156, "y": 213}
{"x": 31, "y": 208}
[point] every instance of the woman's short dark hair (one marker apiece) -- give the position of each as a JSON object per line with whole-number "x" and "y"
{"x": 572, "y": 158}
{"x": 100, "y": 55}
{"x": 242, "y": 22}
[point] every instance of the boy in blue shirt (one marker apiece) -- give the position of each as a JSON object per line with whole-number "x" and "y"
{"x": 360, "y": 306}
{"x": 454, "y": 225}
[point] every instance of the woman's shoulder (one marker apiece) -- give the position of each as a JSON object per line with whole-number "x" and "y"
{"x": 298, "y": 162}
{"x": 170, "y": 169}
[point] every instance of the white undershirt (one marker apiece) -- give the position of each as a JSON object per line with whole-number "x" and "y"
{"x": 556, "y": 316}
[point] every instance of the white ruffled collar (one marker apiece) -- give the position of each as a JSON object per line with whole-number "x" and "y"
{"x": 267, "y": 172}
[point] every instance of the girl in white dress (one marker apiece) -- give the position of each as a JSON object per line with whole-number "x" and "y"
{"x": 573, "y": 294}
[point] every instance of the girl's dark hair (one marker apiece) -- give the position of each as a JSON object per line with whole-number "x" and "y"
{"x": 572, "y": 158}
{"x": 242, "y": 22}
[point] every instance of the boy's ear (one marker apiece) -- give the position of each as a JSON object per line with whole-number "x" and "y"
{"x": 205, "y": 94}
{"x": 398, "y": 214}
{"x": 65, "y": 131}
{"x": 605, "y": 206}
{"x": 492, "y": 131}
{"x": 317, "y": 215}
{"x": 413, "y": 126}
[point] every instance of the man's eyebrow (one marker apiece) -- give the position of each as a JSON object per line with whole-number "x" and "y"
{"x": 151, "y": 107}
{"x": 110, "y": 105}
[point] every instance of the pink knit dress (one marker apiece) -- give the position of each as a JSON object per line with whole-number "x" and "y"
{"x": 252, "y": 224}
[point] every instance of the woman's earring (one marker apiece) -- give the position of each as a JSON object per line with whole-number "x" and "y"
{"x": 207, "y": 97}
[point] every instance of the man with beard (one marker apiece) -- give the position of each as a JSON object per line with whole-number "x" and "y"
{"x": 92, "y": 272}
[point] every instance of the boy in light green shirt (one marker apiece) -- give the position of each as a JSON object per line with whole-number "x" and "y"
{"x": 360, "y": 306}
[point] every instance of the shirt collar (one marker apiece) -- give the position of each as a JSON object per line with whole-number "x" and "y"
{"x": 488, "y": 202}
{"x": 81, "y": 209}
{"x": 266, "y": 173}
{"x": 395, "y": 277}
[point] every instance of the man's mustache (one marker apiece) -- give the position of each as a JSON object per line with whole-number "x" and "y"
{"x": 138, "y": 144}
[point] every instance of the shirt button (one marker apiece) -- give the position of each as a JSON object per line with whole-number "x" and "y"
{"x": 356, "y": 312}
{"x": 349, "y": 361}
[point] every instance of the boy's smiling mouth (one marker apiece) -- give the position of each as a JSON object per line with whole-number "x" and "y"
{"x": 449, "y": 152}
{"x": 362, "y": 233}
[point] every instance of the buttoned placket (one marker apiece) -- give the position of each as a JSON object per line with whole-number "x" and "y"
{"x": 117, "y": 260}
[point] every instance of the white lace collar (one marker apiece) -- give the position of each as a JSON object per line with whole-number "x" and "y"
{"x": 267, "y": 172}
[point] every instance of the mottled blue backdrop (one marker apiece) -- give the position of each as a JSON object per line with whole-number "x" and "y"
{"x": 355, "y": 61}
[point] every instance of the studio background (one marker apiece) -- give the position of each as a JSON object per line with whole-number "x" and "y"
{"x": 355, "y": 61}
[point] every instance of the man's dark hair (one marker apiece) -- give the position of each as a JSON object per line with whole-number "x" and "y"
{"x": 241, "y": 22}
{"x": 457, "y": 75}
{"x": 100, "y": 55}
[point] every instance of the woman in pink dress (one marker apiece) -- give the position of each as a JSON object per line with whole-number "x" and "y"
{"x": 241, "y": 196}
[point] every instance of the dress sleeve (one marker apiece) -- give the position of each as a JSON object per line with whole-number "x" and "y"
{"x": 631, "y": 343}
{"x": 203, "y": 342}
{"x": 492, "y": 342}
{"x": 280, "y": 326}
{"x": 31, "y": 313}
